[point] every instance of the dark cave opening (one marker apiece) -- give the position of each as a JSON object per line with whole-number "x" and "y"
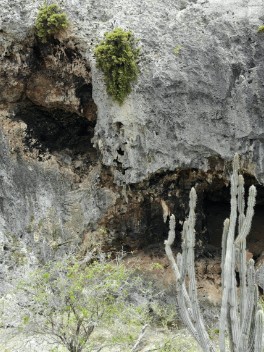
{"x": 57, "y": 131}
{"x": 140, "y": 227}
{"x": 215, "y": 214}
{"x": 143, "y": 227}
{"x": 57, "y": 106}
{"x": 217, "y": 209}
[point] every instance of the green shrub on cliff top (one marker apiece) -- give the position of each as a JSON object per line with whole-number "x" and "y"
{"x": 117, "y": 57}
{"x": 50, "y": 21}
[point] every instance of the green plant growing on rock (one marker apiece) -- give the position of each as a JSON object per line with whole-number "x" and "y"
{"x": 50, "y": 21}
{"x": 117, "y": 57}
{"x": 241, "y": 317}
{"x": 261, "y": 29}
{"x": 177, "y": 50}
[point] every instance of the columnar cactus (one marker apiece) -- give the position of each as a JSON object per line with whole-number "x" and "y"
{"x": 187, "y": 300}
{"x": 240, "y": 318}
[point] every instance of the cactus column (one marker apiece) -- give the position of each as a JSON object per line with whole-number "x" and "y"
{"x": 241, "y": 319}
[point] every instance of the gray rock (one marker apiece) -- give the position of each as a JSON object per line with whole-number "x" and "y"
{"x": 199, "y": 95}
{"x": 203, "y": 100}
{"x": 38, "y": 201}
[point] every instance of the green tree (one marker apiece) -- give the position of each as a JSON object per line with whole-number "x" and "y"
{"x": 117, "y": 57}
{"x": 64, "y": 303}
{"x": 50, "y": 21}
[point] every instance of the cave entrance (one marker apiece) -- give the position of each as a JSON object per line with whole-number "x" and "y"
{"x": 61, "y": 133}
{"x": 215, "y": 214}
{"x": 217, "y": 209}
{"x": 255, "y": 241}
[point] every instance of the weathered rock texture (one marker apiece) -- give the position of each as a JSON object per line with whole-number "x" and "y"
{"x": 202, "y": 99}
{"x": 72, "y": 158}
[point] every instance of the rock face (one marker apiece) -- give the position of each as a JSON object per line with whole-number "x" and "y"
{"x": 200, "y": 91}
{"x": 75, "y": 162}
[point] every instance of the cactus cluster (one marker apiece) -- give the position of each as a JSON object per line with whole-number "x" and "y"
{"x": 241, "y": 319}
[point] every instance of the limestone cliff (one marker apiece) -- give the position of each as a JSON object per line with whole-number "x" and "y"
{"x": 75, "y": 163}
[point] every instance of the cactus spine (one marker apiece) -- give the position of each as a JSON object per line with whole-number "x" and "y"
{"x": 240, "y": 317}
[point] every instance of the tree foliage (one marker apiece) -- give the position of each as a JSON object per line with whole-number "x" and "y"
{"x": 117, "y": 57}
{"x": 66, "y": 302}
{"x": 50, "y": 21}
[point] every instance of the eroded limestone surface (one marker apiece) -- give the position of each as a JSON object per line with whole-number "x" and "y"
{"x": 71, "y": 155}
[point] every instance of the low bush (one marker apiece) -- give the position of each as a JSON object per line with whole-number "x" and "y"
{"x": 65, "y": 302}
{"x": 117, "y": 57}
{"x": 50, "y": 21}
